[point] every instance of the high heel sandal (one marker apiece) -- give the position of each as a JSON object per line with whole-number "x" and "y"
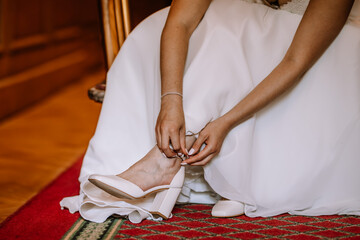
{"x": 164, "y": 200}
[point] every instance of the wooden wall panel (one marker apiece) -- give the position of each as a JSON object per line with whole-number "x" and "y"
{"x": 45, "y": 44}
{"x": 34, "y": 34}
{"x": 140, "y": 9}
{"x": 3, "y": 61}
{"x": 30, "y": 23}
{"x": 61, "y": 20}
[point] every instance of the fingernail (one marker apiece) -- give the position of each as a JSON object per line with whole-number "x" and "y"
{"x": 183, "y": 164}
{"x": 191, "y": 151}
{"x": 164, "y": 155}
{"x": 179, "y": 153}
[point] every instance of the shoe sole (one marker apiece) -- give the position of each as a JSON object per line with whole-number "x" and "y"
{"x": 158, "y": 214}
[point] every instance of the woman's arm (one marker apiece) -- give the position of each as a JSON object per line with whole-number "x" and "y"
{"x": 321, "y": 23}
{"x": 183, "y": 18}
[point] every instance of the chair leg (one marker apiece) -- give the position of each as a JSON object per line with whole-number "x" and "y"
{"x": 114, "y": 16}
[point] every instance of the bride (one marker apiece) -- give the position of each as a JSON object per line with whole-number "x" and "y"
{"x": 260, "y": 107}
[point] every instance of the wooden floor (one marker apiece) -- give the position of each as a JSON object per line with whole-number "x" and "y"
{"x": 41, "y": 142}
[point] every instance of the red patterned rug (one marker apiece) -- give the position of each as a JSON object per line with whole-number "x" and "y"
{"x": 195, "y": 222}
{"x": 42, "y": 218}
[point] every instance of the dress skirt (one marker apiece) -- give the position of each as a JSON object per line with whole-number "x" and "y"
{"x": 299, "y": 155}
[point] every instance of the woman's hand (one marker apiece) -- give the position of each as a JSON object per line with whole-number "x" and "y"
{"x": 170, "y": 126}
{"x": 213, "y": 135}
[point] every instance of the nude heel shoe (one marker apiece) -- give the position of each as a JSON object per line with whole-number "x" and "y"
{"x": 164, "y": 202}
{"x": 122, "y": 188}
{"x": 227, "y": 208}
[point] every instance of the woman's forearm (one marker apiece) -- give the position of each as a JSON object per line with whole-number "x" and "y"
{"x": 174, "y": 46}
{"x": 322, "y": 22}
{"x": 183, "y": 18}
{"x": 277, "y": 82}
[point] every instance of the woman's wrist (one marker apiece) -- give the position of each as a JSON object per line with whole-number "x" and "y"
{"x": 171, "y": 101}
{"x": 226, "y": 122}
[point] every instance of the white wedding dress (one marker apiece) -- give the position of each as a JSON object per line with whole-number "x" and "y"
{"x": 299, "y": 155}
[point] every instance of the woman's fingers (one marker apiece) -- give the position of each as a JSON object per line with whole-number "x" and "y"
{"x": 158, "y": 137}
{"x": 200, "y": 156}
{"x": 212, "y": 135}
{"x": 175, "y": 141}
{"x": 197, "y": 144}
{"x": 204, "y": 161}
{"x": 183, "y": 142}
{"x": 165, "y": 145}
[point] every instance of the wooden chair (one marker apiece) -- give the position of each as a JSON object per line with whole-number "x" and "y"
{"x": 115, "y": 17}
{"x": 116, "y": 26}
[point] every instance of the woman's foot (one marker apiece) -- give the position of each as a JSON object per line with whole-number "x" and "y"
{"x": 227, "y": 208}
{"x": 154, "y": 169}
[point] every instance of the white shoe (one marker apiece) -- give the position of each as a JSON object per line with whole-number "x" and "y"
{"x": 227, "y": 208}
{"x": 165, "y": 198}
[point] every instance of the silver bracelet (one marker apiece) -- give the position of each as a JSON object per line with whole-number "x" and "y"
{"x": 171, "y": 93}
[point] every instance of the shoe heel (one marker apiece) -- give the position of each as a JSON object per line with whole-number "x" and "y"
{"x": 164, "y": 202}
